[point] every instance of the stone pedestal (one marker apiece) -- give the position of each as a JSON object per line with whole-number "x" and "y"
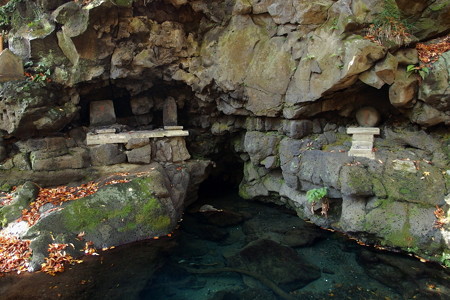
{"x": 362, "y": 141}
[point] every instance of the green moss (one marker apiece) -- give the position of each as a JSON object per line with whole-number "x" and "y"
{"x": 5, "y": 187}
{"x": 340, "y": 140}
{"x": 439, "y": 6}
{"x": 123, "y": 3}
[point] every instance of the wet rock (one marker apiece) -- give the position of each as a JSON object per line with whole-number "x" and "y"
{"x": 278, "y": 263}
{"x": 207, "y": 232}
{"x": 287, "y": 230}
{"x": 221, "y": 218}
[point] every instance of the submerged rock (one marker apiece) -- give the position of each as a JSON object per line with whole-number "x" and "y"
{"x": 278, "y": 263}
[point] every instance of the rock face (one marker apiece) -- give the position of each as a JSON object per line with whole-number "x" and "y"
{"x": 278, "y": 81}
{"x": 146, "y": 205}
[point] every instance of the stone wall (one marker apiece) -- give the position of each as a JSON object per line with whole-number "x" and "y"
{"x": 280, "y": 79}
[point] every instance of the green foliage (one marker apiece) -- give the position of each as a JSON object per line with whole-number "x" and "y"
{"x": 315, "y": 195}
{"x": 445, "y": 259}
{"x": 6, "y": 12}
{"x": 421, "y": 70}
{"x": 3, "y": 222}
{"x": 390, "y": 27}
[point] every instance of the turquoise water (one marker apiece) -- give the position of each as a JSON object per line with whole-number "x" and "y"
{"x": 323, "y": 265}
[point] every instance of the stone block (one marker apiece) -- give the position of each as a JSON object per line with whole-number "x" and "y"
{"x": 140, "y": 155}
{"x": 170, "y": 112}
{"x": 11, "y": 66}
{"x": 141, "y": 105}
{"x": 21, "y": 161}
{"x": 76, "y": 159}
{"x": 298, "y": 128}
{"x": 102, "y": 113}
{"x": 45, "y": 144}
{"x": 137, "y": 143}
{"x": 171, "y": 150}
{"x": 107, "y": 154}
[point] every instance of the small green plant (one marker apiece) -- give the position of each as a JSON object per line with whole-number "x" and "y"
{"x": 310, "y": 57}
{"x": 390, "y": 26}
{"x": 3, "y": 222}
{"x": 6, "y": 12}
{"x": 315, "y": 195}
{"x": 445, "y": 259}
{"x": 334, "y": 25}
{"x": 420, "y": 69}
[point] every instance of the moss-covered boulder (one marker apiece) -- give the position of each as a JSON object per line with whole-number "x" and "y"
{"x": 21, "y": 199}
{"x": 145, "y": 205}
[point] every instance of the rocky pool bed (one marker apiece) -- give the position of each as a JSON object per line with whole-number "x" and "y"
{"x": 228, "y": 248}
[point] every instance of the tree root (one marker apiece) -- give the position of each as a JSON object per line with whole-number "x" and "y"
{"x": 270, "y": 284}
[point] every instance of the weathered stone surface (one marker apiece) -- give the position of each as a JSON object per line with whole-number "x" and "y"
{"x": 427, "y": 115}
{"x": 170, "y": 114}
{"x": 404, "y": 89}
{"x": 77, "y": 158}
{"x": 137, "y": 143}
{"x": 171, "y": 150}
{"x": 21, "y": 200}
{"x": 387, "y": 68}
{"x": 22, "y": 161}
{"x": 74, "y": 19}
{"x": 68, "y": 47}
{"x": 140, "y": 155}
{"x": 261, "y": 145}
{"x": 434, "y": 90}
{"x": 44, "y": 144}
{"x": 297, "y": 129}
{"x": 108, "y": 154}
{"x": 407, "y": 56}
{"x": 102, "y": 113}
{"x": 11, "y": 66}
